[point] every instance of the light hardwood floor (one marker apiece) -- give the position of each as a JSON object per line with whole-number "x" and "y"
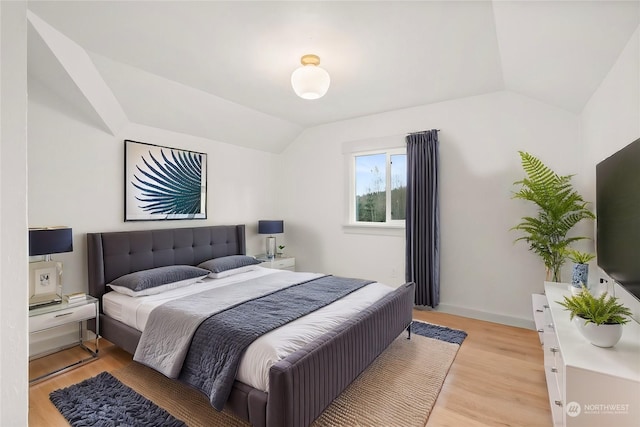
{"x": 497, "y": 378}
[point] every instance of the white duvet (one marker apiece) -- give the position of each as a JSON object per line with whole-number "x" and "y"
{"x": 271, "y": 347}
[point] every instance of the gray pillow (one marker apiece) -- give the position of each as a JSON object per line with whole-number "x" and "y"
{"x": 146, "y": 279}
{"x": 218, "y": 266}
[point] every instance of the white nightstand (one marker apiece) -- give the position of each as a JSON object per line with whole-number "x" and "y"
{"x": 43, "y": 319}
{"x": 284, "y": 262}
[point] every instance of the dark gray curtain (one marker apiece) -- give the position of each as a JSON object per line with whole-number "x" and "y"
{"x": 423, "y": 217}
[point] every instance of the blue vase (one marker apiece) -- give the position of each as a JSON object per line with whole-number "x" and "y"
{"x": 579, "y": 275}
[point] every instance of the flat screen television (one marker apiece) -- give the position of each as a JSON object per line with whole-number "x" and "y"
{"x": 618, "y": 217}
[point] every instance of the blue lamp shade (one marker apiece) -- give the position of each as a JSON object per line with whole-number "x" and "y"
{"x": 270, "y": 227}
{"x": 47, "y": 241}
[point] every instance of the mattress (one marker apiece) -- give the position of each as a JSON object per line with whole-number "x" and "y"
{"x": 271, "y": 347}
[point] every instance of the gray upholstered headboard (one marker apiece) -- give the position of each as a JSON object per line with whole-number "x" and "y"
{"x": 113, "y": 254}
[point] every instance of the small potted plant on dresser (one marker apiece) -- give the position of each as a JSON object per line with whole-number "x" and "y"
{"x": 580, "y": 272}
{"x": 600, "y": 319}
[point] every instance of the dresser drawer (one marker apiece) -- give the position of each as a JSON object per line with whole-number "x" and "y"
{"x": 57, "y": 318}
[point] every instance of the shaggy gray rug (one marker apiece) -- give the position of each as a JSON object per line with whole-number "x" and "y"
{"x": 441, "y": 333}
{"x": 104, "y": 401}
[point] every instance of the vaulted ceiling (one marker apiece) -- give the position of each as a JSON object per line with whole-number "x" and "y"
{"x": 221, "y": 70}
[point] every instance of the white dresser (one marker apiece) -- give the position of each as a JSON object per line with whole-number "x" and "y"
{"x": 588, "y": 386}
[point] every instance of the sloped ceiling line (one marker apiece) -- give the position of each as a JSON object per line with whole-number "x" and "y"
{"x": 158, "y": 102}
{"x": 189, "y": 67}
{"x": 84, "y": 74}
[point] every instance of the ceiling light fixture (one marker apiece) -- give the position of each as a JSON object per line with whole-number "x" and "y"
{"x": 310, "y": 81}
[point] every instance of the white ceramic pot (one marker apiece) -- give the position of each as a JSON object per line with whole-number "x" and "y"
{"x": 599, "y": 335}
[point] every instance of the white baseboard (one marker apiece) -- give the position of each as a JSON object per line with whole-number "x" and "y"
{"x": 483, "y": 315}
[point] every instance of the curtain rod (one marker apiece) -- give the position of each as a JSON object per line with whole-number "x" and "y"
{"x": 421, "y": 131}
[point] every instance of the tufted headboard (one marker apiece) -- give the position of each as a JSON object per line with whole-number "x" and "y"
{"x": 114, "y": 254}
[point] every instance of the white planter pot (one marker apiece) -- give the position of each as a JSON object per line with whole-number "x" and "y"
{"x": 599, "y": 335}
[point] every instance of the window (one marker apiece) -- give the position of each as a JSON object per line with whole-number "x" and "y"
{"x": 379, "y": 189}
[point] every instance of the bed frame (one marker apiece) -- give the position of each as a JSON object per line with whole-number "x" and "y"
{"x": 301, "y": 385}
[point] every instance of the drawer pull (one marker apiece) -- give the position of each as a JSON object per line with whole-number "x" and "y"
{"x": 541, "y": 330}
{"x": 64, "y": 314}
{"x": 554, "y": 349}
{"x": 550, "y": 325}
{"x": 558, "y": 402}
{"x": 538, "y": 310}
{"x": 545, "y": 306}
{"x": 554, "y": 370}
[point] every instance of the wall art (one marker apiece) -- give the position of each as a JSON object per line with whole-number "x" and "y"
{"x": 163, "y": 183}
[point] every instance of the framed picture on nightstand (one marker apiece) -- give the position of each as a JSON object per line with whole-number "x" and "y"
{"x": 44, "y": 278}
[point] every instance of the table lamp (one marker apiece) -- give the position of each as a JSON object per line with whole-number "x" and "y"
{"x": 45, "y": 277}
{"x": 271, "y": 227}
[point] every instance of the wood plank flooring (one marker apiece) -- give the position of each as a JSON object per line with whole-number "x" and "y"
{"x": 497, "y": 378}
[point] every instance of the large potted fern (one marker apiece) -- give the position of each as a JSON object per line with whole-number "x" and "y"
{"x": 559, "y": 207}
{"x": 600, "y": 319}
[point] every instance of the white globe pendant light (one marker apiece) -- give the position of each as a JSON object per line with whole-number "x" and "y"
{"x": 310, "y": 81}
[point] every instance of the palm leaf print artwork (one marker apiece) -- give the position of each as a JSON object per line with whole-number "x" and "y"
{"x": 164, "y": 183}
{"x": 171, "y": 186}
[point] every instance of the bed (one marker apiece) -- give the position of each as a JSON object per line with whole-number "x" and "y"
{"x": 302, "y": 384}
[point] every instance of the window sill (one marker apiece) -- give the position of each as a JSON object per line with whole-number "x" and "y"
{"x": 375, "y": 229}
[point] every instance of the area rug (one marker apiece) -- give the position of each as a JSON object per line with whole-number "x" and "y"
{"x": 105, "y": 401}
{"x": 441, "y": 333}
{"x": 398, "y": 389}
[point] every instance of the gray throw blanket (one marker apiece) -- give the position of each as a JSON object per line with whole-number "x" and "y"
{"x": 170, "y": 327}
{"x": 220, "y": 341}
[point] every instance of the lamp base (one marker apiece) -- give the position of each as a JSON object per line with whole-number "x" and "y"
{"x": 271, "y": 247}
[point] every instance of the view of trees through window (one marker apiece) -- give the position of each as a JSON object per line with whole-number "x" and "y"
{"x": 375, "y": 193}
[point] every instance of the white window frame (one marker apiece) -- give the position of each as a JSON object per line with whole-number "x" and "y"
{"x": 388, "y": 223}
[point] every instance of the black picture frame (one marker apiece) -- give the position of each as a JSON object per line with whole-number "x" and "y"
{"x": 163, "y": 183}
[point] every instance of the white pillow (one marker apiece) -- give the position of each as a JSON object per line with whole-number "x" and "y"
{"x": 157, "y": 289}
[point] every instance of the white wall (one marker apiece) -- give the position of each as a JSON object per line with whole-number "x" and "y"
{"x": 483, "y": 273}
{"x": 76, "y": 179}
{"x": 13, "y": 215}
{"x": 610, "y": 121}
